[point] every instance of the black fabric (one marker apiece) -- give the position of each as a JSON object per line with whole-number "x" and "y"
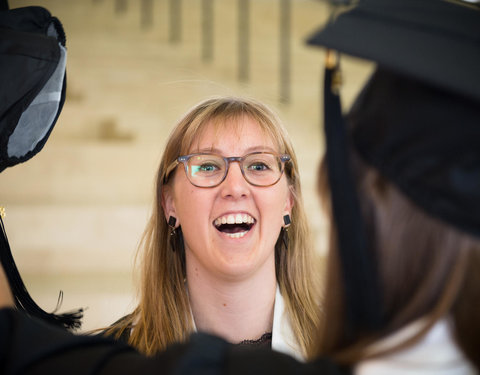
{"x": 29, "y": 346}
{"x": 28, "y": 343}
{"x": 435, "y": 41}
{"x": 29, "y": 55}
{"x": 361, "y": 303}
{"x": 32, "y": 93}
{"x": 426, "y": 141}
{"x": 243, "y": 360}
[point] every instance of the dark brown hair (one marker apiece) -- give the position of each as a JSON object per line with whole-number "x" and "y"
{"x": 427, "y": 269}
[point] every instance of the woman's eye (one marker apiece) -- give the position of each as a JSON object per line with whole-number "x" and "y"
{"x": 208, "y": 167}
{"x": 258, "y": 166}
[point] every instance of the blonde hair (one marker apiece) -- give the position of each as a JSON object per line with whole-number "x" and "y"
{"x": 163, "y": 314}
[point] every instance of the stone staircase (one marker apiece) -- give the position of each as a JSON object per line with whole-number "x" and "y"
{"x": 76, "y": 212}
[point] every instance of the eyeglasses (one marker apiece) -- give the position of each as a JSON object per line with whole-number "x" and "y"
{"x": 209, "y": 170}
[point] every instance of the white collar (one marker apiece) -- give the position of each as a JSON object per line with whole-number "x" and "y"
{"x": 283, "y": 339}
{"x": 435, "y": 353}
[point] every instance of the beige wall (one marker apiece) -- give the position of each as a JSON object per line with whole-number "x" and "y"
{"x": 77, "y": 210}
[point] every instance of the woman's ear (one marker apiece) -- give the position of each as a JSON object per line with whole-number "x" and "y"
{"x": 168, "y": 204}
{"x": 290, "y": 200}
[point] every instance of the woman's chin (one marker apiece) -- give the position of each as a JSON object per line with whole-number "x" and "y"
{"x": 239, "y": 266}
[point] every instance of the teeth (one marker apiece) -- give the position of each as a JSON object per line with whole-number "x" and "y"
{"x": 234, "y": 219}
{"x": 236, "y": 235}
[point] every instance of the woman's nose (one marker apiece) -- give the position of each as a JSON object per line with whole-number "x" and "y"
{"x": 234, "y": 184}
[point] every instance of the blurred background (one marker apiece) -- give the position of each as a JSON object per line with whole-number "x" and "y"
{"x": 76, "y": 212}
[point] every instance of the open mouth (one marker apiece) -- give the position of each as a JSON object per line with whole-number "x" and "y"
{"x": 234, "y": 226}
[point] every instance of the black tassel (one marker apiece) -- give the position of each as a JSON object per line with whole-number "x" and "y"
{"x": 362, "y": 291}
{"x": 23, "y": 301}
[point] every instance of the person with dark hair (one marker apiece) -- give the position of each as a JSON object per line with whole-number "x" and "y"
{"x": 403, "y": 174}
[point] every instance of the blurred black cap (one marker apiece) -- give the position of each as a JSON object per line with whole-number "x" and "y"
{"x": 33, "y": 81}
{"x": 32, "y": 93}
{"x": 434, "y": 41}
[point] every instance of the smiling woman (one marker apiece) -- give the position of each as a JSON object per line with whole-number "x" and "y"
{"x": 230, "y": 251}
{"x": 227, "y": 249}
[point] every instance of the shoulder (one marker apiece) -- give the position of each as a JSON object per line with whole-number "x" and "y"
{"x": 207, "y": 354}
{"x": 436, "y": 352}
{"x": 262, "y": 361}
{"x": 34, "y": 346}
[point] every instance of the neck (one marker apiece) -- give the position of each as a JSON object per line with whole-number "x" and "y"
{"x": 236, "y": 310}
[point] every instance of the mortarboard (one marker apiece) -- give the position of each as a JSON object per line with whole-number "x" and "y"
{"x": 32, "y": 72}
{"x": 417, "y": 121}
{"x": 32, "y": 93}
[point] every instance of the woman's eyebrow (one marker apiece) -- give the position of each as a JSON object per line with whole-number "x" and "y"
{"x": 249, "y": 150}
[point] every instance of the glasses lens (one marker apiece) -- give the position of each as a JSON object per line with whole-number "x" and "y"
{"x": 262, "y": 169}
{"x": 205, "y": 170}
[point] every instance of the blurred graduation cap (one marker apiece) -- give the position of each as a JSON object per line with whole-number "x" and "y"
{"x": 417, "y": 121}
{"x": 32, "y": 93}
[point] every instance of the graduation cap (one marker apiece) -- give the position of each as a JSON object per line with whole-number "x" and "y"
{"x": 32, "y": 93}
{"x": 417, "y": 121}
{"x": 32, "y": 72}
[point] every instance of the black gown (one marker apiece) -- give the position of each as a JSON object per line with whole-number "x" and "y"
{"x": 30, "y": 346}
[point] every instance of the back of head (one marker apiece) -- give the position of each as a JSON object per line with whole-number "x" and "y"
{"x": 417, "y": 168}
{"x": 412, "y": 149}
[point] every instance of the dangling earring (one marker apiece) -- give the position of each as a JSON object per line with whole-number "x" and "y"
{"x": 176, "y": 236}
{"x": 172, "y": 221}
{"x": 287, "y": 221}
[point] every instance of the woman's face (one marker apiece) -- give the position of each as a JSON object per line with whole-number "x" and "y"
{"x": 210, "y": 249}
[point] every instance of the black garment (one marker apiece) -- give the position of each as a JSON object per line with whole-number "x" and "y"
{"x": 265, "y": 341}
{"x": 29, "y": 346}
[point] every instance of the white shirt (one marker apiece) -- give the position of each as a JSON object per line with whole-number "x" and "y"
{"x": 436, "y": 353}
{"x": 283, "y": 339}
